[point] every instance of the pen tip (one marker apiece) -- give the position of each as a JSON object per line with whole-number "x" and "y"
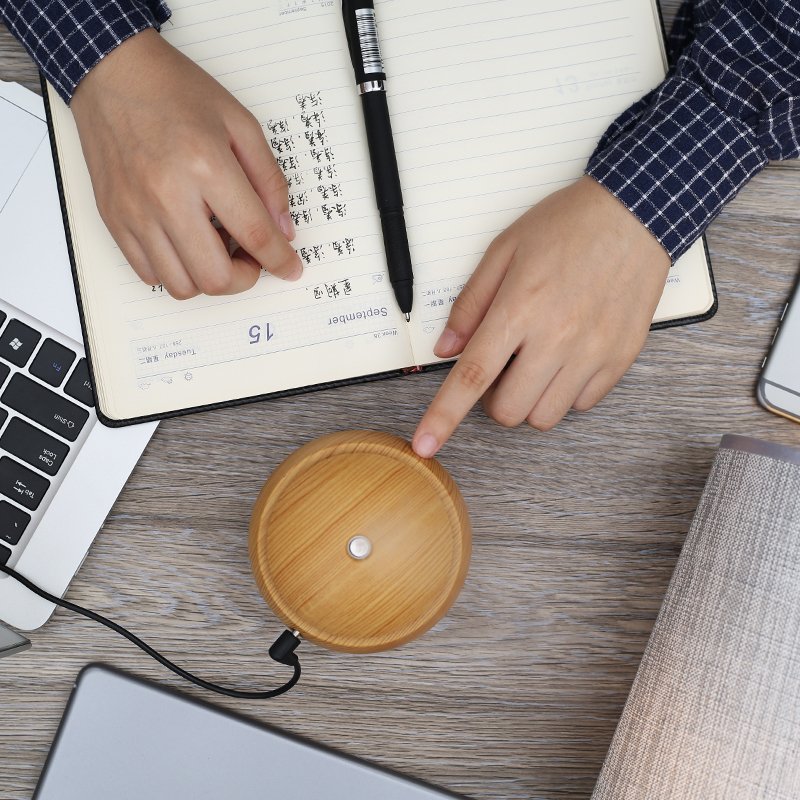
{"x": 408, "y": 317}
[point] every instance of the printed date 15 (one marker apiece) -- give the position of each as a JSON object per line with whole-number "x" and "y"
{"x": 259, "y": 333}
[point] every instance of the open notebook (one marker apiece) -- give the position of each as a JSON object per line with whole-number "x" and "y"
{"x": 494, "y": 105}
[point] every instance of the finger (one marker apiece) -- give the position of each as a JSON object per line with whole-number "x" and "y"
{"x": 225, "y": 237}
{"x": 244, "y": 256}
{"x": 475, "y": 298}
{"x": 559, "y": 396}
{"x": 483, "y": 358}
{"x": 262, "y": 170}
{"x": 237, "y": 206}
{"x": 135, "y": 256}
{"x": 205, "y": 257}
{"x": 167, "y": 265}
{"x": 596, "y": 388}
{"x": 524, "y": 381}
{"x": 238, "y": 253}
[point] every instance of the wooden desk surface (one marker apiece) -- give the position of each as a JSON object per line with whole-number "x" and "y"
{"x": 516, "y": 693}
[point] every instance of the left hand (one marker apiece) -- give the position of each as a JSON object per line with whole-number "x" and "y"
{"x": 168, "y": 148}
{"x": 570, "y": 289}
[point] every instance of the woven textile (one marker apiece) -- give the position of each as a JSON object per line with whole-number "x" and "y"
{"x": 714, "y": 711}
{"x": 66, "y": 38}
{"x": 730, "y": 102}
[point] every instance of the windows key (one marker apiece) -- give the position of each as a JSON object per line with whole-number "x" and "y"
{"x": 17, "y": 342}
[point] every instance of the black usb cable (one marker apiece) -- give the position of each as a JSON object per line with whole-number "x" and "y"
{"x": 281, "y": 651}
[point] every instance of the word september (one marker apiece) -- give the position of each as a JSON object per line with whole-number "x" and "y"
{"x": 353, "y": 316}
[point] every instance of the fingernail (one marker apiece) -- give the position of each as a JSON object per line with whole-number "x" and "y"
{"x": 426, "y": 446}
{"x": 297, "y": 273}
{"x": 287, "y": 226}
{"x": 447, "y": 341}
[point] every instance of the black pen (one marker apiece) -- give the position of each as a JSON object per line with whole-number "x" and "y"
{"x": 365, "y": 53}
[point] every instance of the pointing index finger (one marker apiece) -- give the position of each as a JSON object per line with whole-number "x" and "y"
{"x": 481, "y": 362}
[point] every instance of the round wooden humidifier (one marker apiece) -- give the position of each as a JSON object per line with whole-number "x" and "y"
{"x": 359, "y": 544}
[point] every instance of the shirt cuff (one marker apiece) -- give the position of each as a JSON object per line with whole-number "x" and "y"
{"x": 674, "y": 160}
{"x": 84, "y": 32}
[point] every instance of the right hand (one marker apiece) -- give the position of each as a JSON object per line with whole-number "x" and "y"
{"x": 570, "y": 289}
{"x": 168, "y": 148}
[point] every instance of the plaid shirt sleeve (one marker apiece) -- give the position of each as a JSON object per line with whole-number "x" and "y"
{"x": 66, "y": 38}
{"x": 729, "y": 104}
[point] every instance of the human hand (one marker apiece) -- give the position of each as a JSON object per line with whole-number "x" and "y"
{"x": 571, "y": 289}
{"x": 168, "y": 148}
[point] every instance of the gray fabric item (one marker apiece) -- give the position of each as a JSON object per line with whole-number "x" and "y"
{"x": 714, "y": 711}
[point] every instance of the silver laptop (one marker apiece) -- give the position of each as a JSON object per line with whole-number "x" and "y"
{"x": 125, "y": 739}
{"x": 60, "y": 469}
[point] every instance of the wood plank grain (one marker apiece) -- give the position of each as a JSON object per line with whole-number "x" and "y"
{"x": 15, "y": 63}
{"x": 516, "y": 692}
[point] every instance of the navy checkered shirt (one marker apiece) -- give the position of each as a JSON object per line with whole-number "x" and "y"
{"x": 66, "y": 38}
{"x": 730, "y": 103}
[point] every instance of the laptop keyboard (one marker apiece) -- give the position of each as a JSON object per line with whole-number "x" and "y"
{"x": 46, "y": 412}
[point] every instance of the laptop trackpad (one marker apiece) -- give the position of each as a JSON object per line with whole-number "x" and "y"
{"x": 21, "y": 133}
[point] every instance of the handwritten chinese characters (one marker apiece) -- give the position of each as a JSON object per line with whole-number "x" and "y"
{"x": 319, "y": 253}
{"x": 333, "y": 291}
{"x": 303, "y": 150}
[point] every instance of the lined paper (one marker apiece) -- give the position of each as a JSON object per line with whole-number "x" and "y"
{"x": 494, "y": 104}
{"x": 287, "y": 62}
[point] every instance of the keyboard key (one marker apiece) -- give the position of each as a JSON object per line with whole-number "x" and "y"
{"x": 13, "y": 522}
{"x": 21, "y": 484}
{"x": 3, "y": 416}
{"x": 50, "y": 410}
{"x": 17, "y": 342}
{"x": 33, "y": 446}
{"x": 4, "y": 370}
{"x": 79, "y": 386}
{"x": 52, "y": 362}
{"x": 5, "y": 554}
{"x": 2, "y": 318}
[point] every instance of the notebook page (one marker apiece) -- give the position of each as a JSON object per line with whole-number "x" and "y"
{"x": 496, "y": 104}
{"x": 287, "y": 61}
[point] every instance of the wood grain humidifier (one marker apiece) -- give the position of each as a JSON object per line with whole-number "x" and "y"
{"x": 358, "y": 544}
